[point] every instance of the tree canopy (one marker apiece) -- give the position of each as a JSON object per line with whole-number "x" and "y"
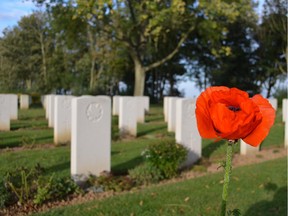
{"x": 93, "y": 46}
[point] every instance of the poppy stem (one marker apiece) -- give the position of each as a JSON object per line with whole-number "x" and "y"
{"x": 228, "y": 167}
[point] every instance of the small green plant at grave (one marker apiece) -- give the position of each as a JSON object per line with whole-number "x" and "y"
{"x": 54, "y": 189}
{"x": 20, "y": 183}
{"x": 4, "y": 195}
{"x": 28, "y": 141}
{"x": 25, "y": 185}
{"x": 145, "y": 174}
{"x": 166, "y": 156}
{"x": 106, "y": 181}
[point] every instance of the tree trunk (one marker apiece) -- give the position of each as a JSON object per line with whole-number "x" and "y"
{"x": 43, "y": 58}
{"x": 28, "y": 84}
{"x": 92, "y": 73}
{"x": 139, "y": 79}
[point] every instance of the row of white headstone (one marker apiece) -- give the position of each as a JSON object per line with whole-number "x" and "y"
{"x": 179, "y": 114}
{"x": 9, "y": 108}
{"x": 86, "y": 122}
{"x": 131, "y": 110}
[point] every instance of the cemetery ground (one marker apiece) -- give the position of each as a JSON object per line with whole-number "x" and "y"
{"x": 258, "y": 185}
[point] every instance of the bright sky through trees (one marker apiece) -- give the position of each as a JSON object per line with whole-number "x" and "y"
{"x": 11, "y": 12}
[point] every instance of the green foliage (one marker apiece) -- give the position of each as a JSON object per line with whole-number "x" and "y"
{"x": 280, "y": 94}
{"x": 198, "y": 196}
{"x": 5, "y": 196}
{"x": 24, "y": 185}
{"x": 21, "y": 183}
{"x": 234, "y": 212}
{"x": 54, "y": 189}
{"x": 145, "y": 174}
{"x": 107, "y": 181}
{"x": 166, "y": 156}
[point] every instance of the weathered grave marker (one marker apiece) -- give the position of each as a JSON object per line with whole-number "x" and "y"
{"x": 24, "y": 101}
{"x": 91, "y": 136}
{"x": 4, "y": 112}
{"x": 62, "y": 119}
{"x": 127, "y": 116}
{"x": 186, "y": 129}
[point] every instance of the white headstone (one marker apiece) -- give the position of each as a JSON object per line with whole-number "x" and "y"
{"x": 286, "y": 126}
{"x": 127, "y": 116}
{"x": 165, "y": 109}
{"x": 186, "y": 129}
{"x": 273, "y": 102}
{"x": 51, "y": 104}
{"x": 62, "y": 119}
{"x": 284, "y": 107}
{"x": 146, "y": 103}
{"x": 141, "y": 104}
{"x": 246, "y": 149}
{"x": 4, "y": 112}
{"x": 91, "y": 135}
{"x": 43, "y": 101}
{"x": 115, "y": 104}
{"x": 172, "y": 113}
{"x": 13, "y": 106}
{"x": 47, "y": 102}
{"x": 24, "y": 101}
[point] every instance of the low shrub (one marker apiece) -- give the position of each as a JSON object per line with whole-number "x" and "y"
{"x": 107, "y": 181}
{"x": 25, "y": 185}
{"x": 166, "y": 156}
{"x": 145, "y": 174}
{"x": 4, "y": 195}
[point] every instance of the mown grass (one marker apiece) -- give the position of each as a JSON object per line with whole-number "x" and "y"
{"x": 31, "y": 131}
{"x": 259, "y": 189}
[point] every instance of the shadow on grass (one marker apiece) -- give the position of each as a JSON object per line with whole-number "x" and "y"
{"x": 122, "y": 168}
{"x": 278, "y": 206}
{"x": 157, "y": 118}
{"x": 58, "y": 168}
{"x": 24, "y": 140}
{"x": 208, "y": 150}
{"x": 150, "y": 130}
{"x": 28, "y": 125}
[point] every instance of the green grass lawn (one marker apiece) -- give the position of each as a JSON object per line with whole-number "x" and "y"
{"x": 31, "y": 131}
{"x": 259, "y": 189}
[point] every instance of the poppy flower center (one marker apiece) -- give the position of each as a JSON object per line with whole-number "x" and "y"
{"x": 234, "y": 109}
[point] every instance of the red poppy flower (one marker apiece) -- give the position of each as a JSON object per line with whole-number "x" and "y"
{"x": 229, "y": 113}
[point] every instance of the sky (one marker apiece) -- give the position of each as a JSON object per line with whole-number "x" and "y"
{"x": 11, "y": 12}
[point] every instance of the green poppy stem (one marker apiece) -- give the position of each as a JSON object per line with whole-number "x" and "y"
{"x": 228, "y": 167}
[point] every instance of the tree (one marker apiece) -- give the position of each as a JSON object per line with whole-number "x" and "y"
{"x": 272, "y": 40}
{"x": 227, "y": 58}
{"x": 25, "y": 49}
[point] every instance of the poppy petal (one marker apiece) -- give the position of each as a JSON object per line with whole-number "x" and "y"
{"x": 204, "y": 123}
{"x": 268, "y": 117}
